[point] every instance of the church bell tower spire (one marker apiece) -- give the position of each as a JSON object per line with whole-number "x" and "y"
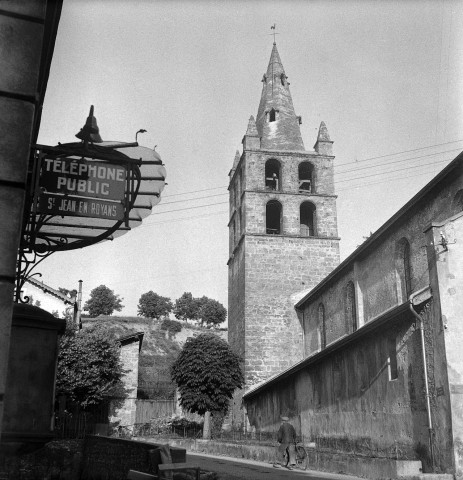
{"x": 283, "y": 236}
{"x": 277, "y": 122}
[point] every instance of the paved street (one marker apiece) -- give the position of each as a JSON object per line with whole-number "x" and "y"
{"x": 241, "y": 469}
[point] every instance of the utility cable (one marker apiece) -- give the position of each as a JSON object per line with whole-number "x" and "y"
{"x": 392, "y": 171}
{"x": 338, "y": 166}
{"x": 340, "y": 190}
{"x": 399, "y": 153}
{"x": 399, "y": 161}
{"x": 336, "y": 183}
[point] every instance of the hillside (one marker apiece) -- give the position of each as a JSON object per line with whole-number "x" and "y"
{"x": 160, "y": 348}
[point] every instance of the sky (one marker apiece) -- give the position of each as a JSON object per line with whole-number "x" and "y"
{"x": 386, "y": 78}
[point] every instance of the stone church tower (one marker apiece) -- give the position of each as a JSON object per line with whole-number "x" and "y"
{"x": 283, "y": 230}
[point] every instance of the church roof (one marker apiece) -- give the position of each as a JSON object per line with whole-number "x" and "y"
{"x": 51, "y": 291}
{"x": 277, "y": 122}
{"x": 454, "y": 168}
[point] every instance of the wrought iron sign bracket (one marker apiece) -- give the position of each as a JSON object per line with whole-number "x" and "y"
{"x": 37, "y": 245}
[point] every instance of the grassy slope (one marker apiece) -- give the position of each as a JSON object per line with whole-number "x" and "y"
{"x": 159, "y": 349}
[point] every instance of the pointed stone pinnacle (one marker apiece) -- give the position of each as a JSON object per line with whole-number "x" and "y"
{"x": 252, "y": 128}
{"x": 237, "y": 159}
{"x": 323, "y": 135}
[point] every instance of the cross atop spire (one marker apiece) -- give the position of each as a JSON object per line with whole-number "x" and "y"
{"x": 273, "y": 27}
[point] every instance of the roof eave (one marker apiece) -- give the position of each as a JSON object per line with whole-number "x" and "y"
{"x": 366, "y": 329}
{"x": 381, "y": 230}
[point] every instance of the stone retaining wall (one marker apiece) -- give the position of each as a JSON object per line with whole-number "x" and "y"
{"x": 361, "y": 466}
{"x": 106, "y": 457}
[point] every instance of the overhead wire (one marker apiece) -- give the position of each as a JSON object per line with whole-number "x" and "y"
{"x": 337, "y": 182}
{"x": 391, "y": 171}
{"x": 400, "y": 153}
{"x": 390, "y": 179}
{"x": 399, "y": 161}
{"x": 338, "y": 166}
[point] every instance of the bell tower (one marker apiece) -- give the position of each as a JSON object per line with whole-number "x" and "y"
{"x": 283, "y": 229}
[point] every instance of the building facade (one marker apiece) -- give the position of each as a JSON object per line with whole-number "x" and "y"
{"x": 382, "y": 377}
{"x": 123, "y": 410}
{"x": 28, "y": 37}
{"x": 283, "y": 229}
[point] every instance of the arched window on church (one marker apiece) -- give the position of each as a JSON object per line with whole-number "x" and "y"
{"x": 232, "y": 235}
{"x": 272, "y": 174}
{"x": 457, "y": 204}
{"x": 239, "y": 186}
{"x": 240, "y": 216}
{"x": 306, "y": 183}
{"x": 350, "y": 308}
{"x": 273, "y": 217}
{"x": 322, "y": 325}
{"x": 307, "y": 219}
{"x": 237, "y": 191}
{"x": 404, "y": 269}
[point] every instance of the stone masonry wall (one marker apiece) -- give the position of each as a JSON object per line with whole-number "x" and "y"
{"x": 266, "y": 270}
{"x": 276, "y": 268}
{"x": 323, "y": 177}
{"x": 125, "y": 413}
{"x": 446, "y": 279}
{"x": 347, "y": 403}
{"x": 325, "y": 215}
{"x": 378, "y": 283}
{"x": 236, "y": 301}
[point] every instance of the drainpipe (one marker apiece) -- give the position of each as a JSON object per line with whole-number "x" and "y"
{"x": 79, "y": 306}
{"x": 304, "y": 352}
{"x": 425, "y": 369}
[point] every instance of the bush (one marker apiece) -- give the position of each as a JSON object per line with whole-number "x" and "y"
{"x": 171, "y": 326}
{"x": 184, "y": 427}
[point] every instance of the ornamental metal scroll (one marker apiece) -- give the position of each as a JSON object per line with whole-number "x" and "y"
{"x": 81, "y": 194}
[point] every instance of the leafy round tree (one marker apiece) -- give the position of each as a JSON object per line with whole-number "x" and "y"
{"x": 103, "y": 301}
{"x": 207, "y": 372}
{"x": 152, "y": 305}
{"x": 212, "y": 312}
{"x": 186, "y": 307}
{"x": 89, "y": 366}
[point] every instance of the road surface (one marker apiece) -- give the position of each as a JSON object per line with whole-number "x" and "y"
{"x": 243, "y": 469}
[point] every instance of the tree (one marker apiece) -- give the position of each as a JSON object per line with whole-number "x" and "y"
{"x": 103, "y": 301}
{"x": 207, "y": 372}
{"x": 172, "y": 326}
{"x": 211, "y": 312}
{"x": 208, "y": 311}
{"x": 186, "y": 307}
{"x": 89, "y": 366}
{"x": 152, "y": 305}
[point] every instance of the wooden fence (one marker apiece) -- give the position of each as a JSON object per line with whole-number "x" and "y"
{"x": 149, "y": 409}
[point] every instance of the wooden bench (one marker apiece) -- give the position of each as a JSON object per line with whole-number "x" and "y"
{"x": 178, "y": 467}
{"x": 134, "y": 475}
{"x": 164, "y": 461}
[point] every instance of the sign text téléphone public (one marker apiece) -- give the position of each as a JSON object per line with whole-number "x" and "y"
{"x": 83, "y": 178}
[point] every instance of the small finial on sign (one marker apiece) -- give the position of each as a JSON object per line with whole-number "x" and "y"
{"x": 142, "y": 130}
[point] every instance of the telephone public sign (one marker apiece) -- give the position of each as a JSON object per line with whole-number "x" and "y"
{"x": 82, "y": 188}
